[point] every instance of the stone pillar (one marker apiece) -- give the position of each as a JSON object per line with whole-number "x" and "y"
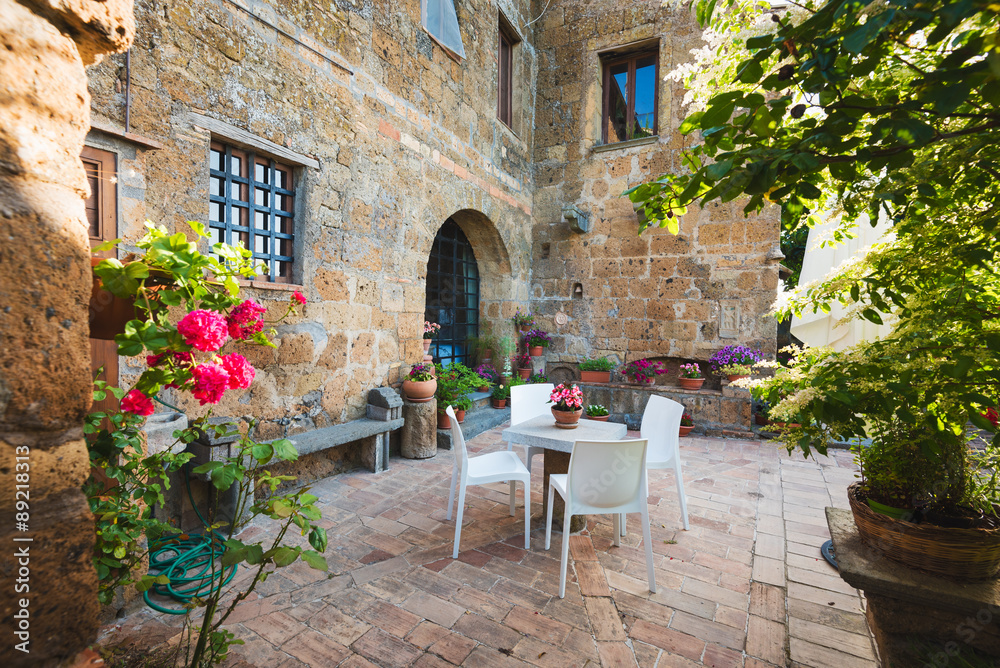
{"x": 419, "y": 438}
{"x": 45, "y": 380}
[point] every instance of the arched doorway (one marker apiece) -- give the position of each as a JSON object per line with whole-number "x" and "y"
{"x": 452, "y": 293}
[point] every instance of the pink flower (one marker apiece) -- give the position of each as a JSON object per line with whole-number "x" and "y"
{"x": 210, "y": 382}
{"x": 245, "y": 320}
{"x": 204, "y": 330}
{"x": 299, "y": 297}
{"x": 138, "y": 403}
{"x": 240, "y": 371}
{"x": 153, "y": 360}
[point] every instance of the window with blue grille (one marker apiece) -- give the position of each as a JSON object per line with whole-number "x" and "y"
{"x": 452, "y": 294}
{"x": 251, "y": 201}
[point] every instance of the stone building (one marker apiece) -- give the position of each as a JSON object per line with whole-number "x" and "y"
{"x": 383, "y": 140}
{"x": 393, "y": 161}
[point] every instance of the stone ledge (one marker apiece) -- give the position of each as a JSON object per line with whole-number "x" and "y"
{"x": 864, "y": 568}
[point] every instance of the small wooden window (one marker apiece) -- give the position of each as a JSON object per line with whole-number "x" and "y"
{"x": 251, "y": 201}
{"x": 506, "y": 41}
{"x": 631, "y": 93}
{"x": 101, "y": 205}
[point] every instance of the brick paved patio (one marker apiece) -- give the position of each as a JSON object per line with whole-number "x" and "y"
{"x": 746, "y": 586}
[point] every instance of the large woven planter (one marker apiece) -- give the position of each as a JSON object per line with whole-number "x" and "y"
{"x": 958, "y": 554}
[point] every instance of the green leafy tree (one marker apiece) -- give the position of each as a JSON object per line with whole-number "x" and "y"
{"x": 867, "y": 111}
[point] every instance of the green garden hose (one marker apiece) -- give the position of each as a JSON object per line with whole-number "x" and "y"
{"x": 187, "y": 560}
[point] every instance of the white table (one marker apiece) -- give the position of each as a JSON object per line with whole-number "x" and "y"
{"x": 541, "y": 432}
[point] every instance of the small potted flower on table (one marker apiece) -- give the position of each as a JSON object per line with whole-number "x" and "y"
{"x": 567, "y": 400}
{"x": 598, "y": 413}
{"x": 690, "y": 377}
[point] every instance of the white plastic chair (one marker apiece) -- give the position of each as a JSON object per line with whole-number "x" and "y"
{"x": 482, "y": 470}
{"x": 661, "y": 423}
{"x": 605, "y": 477}
{"x": 526, "y": 402}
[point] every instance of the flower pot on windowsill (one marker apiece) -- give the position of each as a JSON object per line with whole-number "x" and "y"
{"x": 536, "y": 351}
{"x": 595, "y": 376}
{"x": 691, "y": 383}
{"x": 525, "y": 374}
{"x": 684, "y": 431}
{"x": 419, "y": 391}
{"x": 567, "y": 419}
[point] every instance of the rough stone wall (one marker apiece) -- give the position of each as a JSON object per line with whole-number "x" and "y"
{"x": 652, "y": 296}
{"x": 405, "y": 137}
{"x": 44, "y": 292}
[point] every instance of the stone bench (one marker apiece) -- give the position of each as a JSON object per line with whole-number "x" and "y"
{"x": 385, "y": 414}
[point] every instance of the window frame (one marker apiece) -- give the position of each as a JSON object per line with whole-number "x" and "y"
{"x": 245, "y": 205}
{"x": 618, "y": 57}
{"x": 103, "y": 164}
{"x": 506, "y": 35}
{"x": 444, "y": 294}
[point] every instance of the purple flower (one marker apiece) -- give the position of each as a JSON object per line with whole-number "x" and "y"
{"x": 735, "y": 355}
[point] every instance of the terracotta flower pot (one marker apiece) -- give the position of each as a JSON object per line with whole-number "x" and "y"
{"x": 595, "y": 376}
{"x": 524, "y": 373}
{"x": 598, "y": 418}
{"x": 523, "y": 328}
{"x": 427, "y": 345}
{"x": 761, "y": 420}
{"x": 420, "y": 391}
{"x": 691, "y": 383}
{"x": 567, "y": 419}
{"x": 444, "y": 422}
{"x": 499, "y": 403}
{"x": 483, "y": 388}
{"x": 685, "y": 430}
{"x": 736, "y": 376}
{"x": 460, "y": 415}
{"x": 536, "y": 351}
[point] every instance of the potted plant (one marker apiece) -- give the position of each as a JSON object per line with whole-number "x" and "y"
{"x": 501, "y": 393}
{"x": 598, "y": 413}
{"x": 461, "y": 404}
{"x": 689, "y": 376}
{"x": 536, "y": 341}
{"x": 921, "y": 499}
{"x": 643, "y": 371}
{"x": 596, "y": 370}
{"x": 567, "y": 405}
{"x": 735, "y": 361}
{"x": 481, "y": 348}
{"x": 687, "y": 424}
{"x": 420, "y": 385}
{"x": 537, "y": 378}
{"x": 489, "y": 374}
{"x": 523, "y": 362}
{"x": 431, "y": 330}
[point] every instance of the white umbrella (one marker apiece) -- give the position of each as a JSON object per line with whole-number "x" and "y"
{"x": 829, "y": 329}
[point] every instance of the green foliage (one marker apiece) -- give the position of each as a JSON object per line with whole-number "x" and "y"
{"x": 599, "y": 364}
{"x": 867, "y": 111}
{"x": 501, "y": 392}
{"x": 596, "y": 410}
{"x": 126, "y": 482}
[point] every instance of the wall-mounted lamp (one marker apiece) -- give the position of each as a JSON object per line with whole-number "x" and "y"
{"x": 579, "y": 221}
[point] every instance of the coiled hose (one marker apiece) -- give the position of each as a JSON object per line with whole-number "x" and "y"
{"x": 187, "y": 560}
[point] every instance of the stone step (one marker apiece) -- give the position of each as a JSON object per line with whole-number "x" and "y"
{"x": 482, "y": 417}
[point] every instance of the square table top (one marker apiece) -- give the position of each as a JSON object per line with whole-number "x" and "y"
{"x": 541, "y": 432}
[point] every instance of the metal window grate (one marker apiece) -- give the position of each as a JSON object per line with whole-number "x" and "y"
{"x": 452, "y": 293}
{"x": 251, "y": 200}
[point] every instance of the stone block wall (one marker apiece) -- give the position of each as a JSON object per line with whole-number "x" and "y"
{"x": 49, "y": 608}
{"x": 404, "y": 136}
{"x": 673, "y": 297}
